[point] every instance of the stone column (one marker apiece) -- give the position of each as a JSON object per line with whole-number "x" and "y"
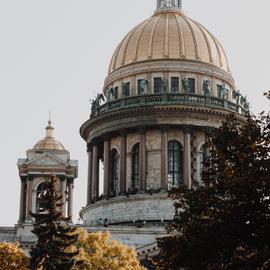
{"x": 142, "y": 160}
{"x": 187, "y": 158}
{"x": 29, "y": 198}
{"x": 123, "y": 160}
{"x": 63, "y": 194}
{"x": 207, "y": 139}
{"x": 89, "y": 182}
{"x": 164, "y": 158}
{"x": 95, "y": 173}
{"x": 70, "y": 198}
{"x": 106, "y": 165}
{"x": 22, "y": 201}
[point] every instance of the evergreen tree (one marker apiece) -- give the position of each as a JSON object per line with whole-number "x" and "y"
{"x": 225, "y": 223}
{"x": 54, "y": 235}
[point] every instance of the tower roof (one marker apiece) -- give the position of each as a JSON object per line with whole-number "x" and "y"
{"x": 169, "y": 35}
{"x": 49, "y": 142}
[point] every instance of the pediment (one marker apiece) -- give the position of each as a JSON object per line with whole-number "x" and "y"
{"x": 46, "y": 160}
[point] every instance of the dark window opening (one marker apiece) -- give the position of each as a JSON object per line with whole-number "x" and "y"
{"x": 174, "y": 85}
{"x": 40, "y": 190}
{"x": 126, "y": 89}
{"x": 191, "y": 85}
{"x": 175, "y": 164}
{"x": 157, "y": 85}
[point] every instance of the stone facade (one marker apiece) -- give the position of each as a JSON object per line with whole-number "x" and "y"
{"x": 169, "y": 86}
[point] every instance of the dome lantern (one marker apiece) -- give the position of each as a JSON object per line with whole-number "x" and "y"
{"x": 169, "y": 4}
{"x": 49, "y": 142}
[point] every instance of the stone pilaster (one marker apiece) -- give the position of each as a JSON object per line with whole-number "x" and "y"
{"x": 123, "y": 147}
{"x": 29, "y": 197}
{"x": 63, "y": 194}
{"x": 70, "y": 199}
{"x": 142, "y": 160}
{"x": 95, "y": 173}
{"x": 89, "y": 178}
{"x": 187, "y": 157}
{"x": 164, "y": 158}
{"x": 106, "y": 166}
{"x": 22, "y": 201}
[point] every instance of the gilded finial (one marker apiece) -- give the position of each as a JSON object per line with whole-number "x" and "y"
{"x": 50, "y": 121}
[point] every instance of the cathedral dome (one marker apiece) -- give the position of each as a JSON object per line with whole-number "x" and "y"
{"x": 169, "y": 35}
{"x": 49, "y": 142}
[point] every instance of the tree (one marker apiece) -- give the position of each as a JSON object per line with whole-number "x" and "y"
{"x": 54, "y": 235}
{"x": 12, "y": 257}
{"x": 225, "y": 223}
{"x": 99, "y": 252}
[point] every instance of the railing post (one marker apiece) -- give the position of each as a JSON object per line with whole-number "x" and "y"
{"x": 123, "y": 103}
{"x": 225, "y": 104}
{"x": 107, "y": 107}
{"x": 207, "y": 100}
{"x": 164, "y": 98}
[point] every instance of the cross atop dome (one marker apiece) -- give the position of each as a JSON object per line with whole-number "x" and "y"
{"x": 169, "y": 4}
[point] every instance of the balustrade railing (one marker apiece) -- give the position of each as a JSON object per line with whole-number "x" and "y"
{"x": 169, "y": 99}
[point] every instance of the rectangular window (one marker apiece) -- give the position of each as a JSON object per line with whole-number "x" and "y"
{"x": 157, "y": 85}
{"x": 191, "y": 85}
{"x": 126, "y": 89}
{"x": 175, "y": 85}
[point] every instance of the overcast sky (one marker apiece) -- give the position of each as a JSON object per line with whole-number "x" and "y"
{"x": 54, "y": 54}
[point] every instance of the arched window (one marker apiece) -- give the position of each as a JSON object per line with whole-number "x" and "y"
{"x": 201, "y": 160}
{"x": 175, "y": 164}
{"x": 135, "y": 167}
{"x": 114, "y": 179}
{"x": 41, "y": 188}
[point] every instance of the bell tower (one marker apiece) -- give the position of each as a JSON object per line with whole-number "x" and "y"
{"x": 47, "y": 157}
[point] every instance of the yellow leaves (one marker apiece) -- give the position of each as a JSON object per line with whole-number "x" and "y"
{"x": 12, "y": 257}
{"x": 99, "y": 252}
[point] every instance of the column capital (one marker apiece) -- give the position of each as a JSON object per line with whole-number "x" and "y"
{"x": 106, "y": 137}
{"x": 209, "y": 131}
{"x": 23, "y": 179}
{"x": 89, "y": 147}
{"x": 142, "y": 130}
{"x": 164, "y": 128}
{"x": 30, "y": 178}
{"x": 123, "y": 132}
{"x": 187, "y": 128}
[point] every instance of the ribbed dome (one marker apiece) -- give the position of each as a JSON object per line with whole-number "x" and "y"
{"x": 169, "y": 35}
{"x": 49, "y": 142}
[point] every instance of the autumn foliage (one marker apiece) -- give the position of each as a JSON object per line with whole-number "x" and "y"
{"x": 98, "y": 252}
{"x": 12, "y": 257}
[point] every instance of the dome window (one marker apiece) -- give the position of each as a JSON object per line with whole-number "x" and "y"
{"x": 157, "y": 85}
{"x": 126, "y": 89}
{"x": 174, "y": 84}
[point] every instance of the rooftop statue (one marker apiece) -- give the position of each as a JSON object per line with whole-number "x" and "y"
{"x": 206, "y": 88}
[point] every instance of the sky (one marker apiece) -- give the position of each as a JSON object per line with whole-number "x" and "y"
{"x": 54, "y": 56}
